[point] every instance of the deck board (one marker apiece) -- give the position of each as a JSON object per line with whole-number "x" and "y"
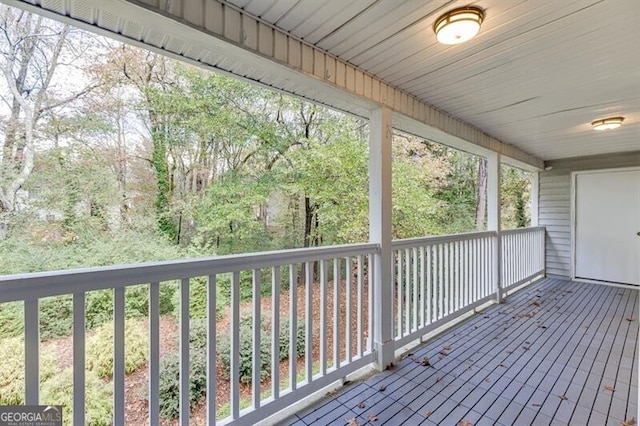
{"x": 557, "y": 352}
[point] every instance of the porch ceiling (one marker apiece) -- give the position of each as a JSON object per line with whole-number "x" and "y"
{"x": 536, "y": 75}
{"x": 527, "y": 86}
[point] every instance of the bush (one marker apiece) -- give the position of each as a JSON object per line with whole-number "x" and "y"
{"x": 56, "y": 313}
{"x": 246, "y": 352}
{"x": 100, "y": 348}
{"x": 11, "y": 319}
{"x": 56, "y": 317}
{"x": 12, "y": 371}
{"x": 246, "y": 347}
{"x": 284, "y": 338}
{"x": 198, "y": 334}
{"x": 198, "y": 298}
{"x": 170, "y": 381}
{"x": 58, "y": 390}
{"x": 99, "y": 304}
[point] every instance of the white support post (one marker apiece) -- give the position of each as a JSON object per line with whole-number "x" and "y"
{"x": 535, "y": 194}
{"x": 380, "y": 233}
{"x": 493, "y": 218}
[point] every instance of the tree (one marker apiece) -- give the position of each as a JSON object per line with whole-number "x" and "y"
{"x": 32, "y": 50}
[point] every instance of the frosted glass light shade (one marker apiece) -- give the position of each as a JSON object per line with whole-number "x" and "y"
{"x": 607, "y": 123}
{"x": 458, "y": 25}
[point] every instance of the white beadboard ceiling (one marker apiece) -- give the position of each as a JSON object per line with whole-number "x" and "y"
{"x": 535, "y": 77}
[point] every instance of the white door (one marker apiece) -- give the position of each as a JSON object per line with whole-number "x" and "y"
{"x": 607, "y": 214}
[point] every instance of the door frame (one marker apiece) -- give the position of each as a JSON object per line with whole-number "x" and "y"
{"x": 574, "y": 176}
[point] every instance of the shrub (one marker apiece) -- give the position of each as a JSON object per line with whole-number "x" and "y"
{"x": 170, "y": 381}
{"x": 99, "y": 304}
{"x": 198, "y": 334}
{"x": 56, "y": 315}
{"x": 246, "y": 347}
{"x": 198, "y": 298}
{"x": 246, "y": 352}
{"x": 12, "y": 371}
{"x": 100, "y": 348}
{"x": 58, "y": 390}
{"x": 11, "y": 319}
{"x": 284, "y": 338}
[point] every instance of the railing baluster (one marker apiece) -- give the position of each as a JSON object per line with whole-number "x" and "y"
{"x": 419, "y": 283}
{"x": 275, "y": 332}
{"x": 293, "y": 327}
{"x": 336, "y": 313}
{"x": 211, "y": 349}
{"x": 78, "y": 358}
{"x": 257, "y": 326}
{"x": 32, "y": 351}
{"x": 416, "y": 301}
{"x": 235, "y": 345}
{"x": 184, "y": 352}
{"x": 154, "y": 354}
{"x": 440, "y": 278}
{"x": 429, "y": 284}
{"x": 323, "y": 317}
{"x": 474, "y": 270}
{"x": 399, "y": 294}
{"x": 118, "y": 356}
{"x": 359, "y": 304}
{"x": 308, "y": 358}
{"x": 370, "y": 269}
{"x": 452, "y": 277}
{"x": 347, "y": 309}
{"x": 456, "y": 276}
{"x": 407, "y": 292}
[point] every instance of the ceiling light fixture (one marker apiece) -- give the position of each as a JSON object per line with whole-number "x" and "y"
{"x": 607, "y": 123}
{"x": 458, "y": 25}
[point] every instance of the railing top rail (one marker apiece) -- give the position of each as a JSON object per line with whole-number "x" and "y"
{"x": 53, "y": 283}
{"x": 522, "y": 230}
{"x": 427, "y": 241}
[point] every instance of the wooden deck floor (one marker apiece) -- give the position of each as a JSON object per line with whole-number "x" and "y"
{"x": 556, "y": 353}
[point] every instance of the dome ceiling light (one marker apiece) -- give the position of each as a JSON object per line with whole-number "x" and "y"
{"x": 607, "y": 123}
{"x": 458, "y": 25}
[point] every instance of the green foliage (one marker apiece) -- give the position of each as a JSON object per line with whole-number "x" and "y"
{"x": 11, "y": 319}
{"x": 45, "y": 247}
{"x": 58, "y": 390}
{"x": 246, "y": 352}
{"x": 516, "y": 193}
{"x": 285, "y": 341}
{"x": 170, "y": 381}
{"x": 100, "y": 348}
{"x": 226, "y": 214}
{"x": 12, "y": 371}
{"x": 246, "y": 347}
{"x": 56, "y": 315}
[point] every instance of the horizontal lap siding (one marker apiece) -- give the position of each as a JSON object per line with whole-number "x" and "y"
{"x": 555, "y": 204}
{"x": 555, "y": 215}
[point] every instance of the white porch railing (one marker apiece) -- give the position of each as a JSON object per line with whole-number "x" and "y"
{"x": 522, "y": 256}
{"x": 346, "y": 265}
{"x": 439, "y": 279}
{"x": 435, "y": 280}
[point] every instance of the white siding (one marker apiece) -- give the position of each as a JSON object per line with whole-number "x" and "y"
{"x": 555, "y": 204}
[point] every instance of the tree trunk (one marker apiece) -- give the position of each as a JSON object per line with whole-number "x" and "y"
{"x": 309, "y": 222}
{"x": 481, "y": 206}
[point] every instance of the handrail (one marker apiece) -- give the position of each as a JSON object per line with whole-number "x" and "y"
{"x": 522, "y": 230}
{"x": 52, "y": 283}
{"x": 423, "y": 241}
